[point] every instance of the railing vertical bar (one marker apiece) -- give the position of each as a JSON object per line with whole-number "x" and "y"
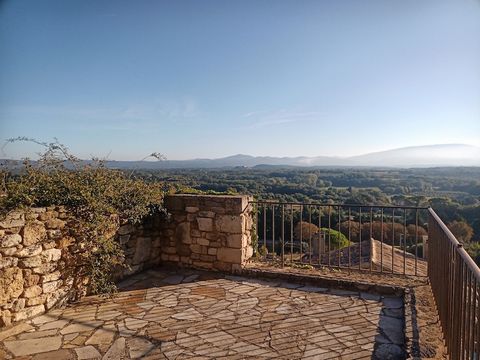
{"x": 371, "y": 239}
{"x": 301, "y": 233}
{"x": 291, "y": 235}
{"x": 349, "y": 239}
{"x": 360, "y": 239}
{"x": 381, "y": 241}
{"x": 404, "y": 241}
{"x": 393, "y": 241}
{"x": 273, "y": 229}
{"x": 339, "y": 232}
{"x": 467, "y": 313}
{"x": 310, "y": 234}
{"x": 320, "y": 236}
{"x": 329, "y": 232}
{"x": 283, "y": 235}
{"x": 264, "y": 226}
{"x": 416, "y": 243}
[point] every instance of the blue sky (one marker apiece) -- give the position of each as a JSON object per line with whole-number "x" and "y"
{"x": 214, "y": 78}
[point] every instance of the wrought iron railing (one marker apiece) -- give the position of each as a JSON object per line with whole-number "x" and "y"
{"x": 375, "y": 238}
{"x": 455, "y": 280}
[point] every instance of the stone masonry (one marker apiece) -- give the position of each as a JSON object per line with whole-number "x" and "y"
{"x": 208, "y": 232}
{"x": 36, "y": 267}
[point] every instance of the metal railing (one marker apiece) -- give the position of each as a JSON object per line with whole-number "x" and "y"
{"x": 374, "y": 238}
{"x": 455, "y": 279}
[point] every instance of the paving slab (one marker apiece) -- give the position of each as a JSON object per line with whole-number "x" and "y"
{"x": 198, "y": 315}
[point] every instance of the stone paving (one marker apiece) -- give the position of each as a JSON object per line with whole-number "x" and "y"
{"x": 189, "y": 314}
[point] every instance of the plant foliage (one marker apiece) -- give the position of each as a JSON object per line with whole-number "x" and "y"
{"x": 99, "y": 200}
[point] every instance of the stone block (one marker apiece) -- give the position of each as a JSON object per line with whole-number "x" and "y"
{"x": 18, "y": 305}
{"x": 203, "y": 264}
{"x": 55, "y": 224}
{"x": 11, "y": 223}
{"x": 10, "y": 240}
{"x": 51, "y": 286}
{"x": 37, "y": 300}
{"x": 229, "y": 224}
{"x": 52, "y": 276}
{"x": 235, "y": 241}
{"x": 32, "y": 291}
{"x": 31, "y": 262}
{"x": 49, "y": 245}
{"x": 142, "y": 252}
{"x": 11, "y": 284}
{"x": 51, "y": 255}
{"x": 195, "y": 248}
{"x": 205, "y": 224}
{"x": 29, "y": 312}
{"x": 229, "y": 255}
{"x": 191, "y": 209}
{"x": 202, "y": 241}
{"x": 45, "y": 268}
{"x": 33, "y": 233}
{"x": 207, "y": 214}
{"x": 196, "y": 233}
{"x": 29, "y": 251}
{"x": 8, "y": 251}
{"x": 30, "y": 279}
{"x": 212, "y": 251}
{"x": 182, "y": 233}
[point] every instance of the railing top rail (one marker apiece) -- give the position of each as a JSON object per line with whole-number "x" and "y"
{"x": 278, "y": 202}
{"x": 473, "y": 267}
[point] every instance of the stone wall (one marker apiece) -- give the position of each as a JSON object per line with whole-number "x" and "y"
{"x": 208, "y": 232}
{"x": 37, "y": 263}
{"x": 36, "y": 268}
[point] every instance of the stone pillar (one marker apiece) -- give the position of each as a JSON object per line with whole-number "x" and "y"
{"x": 208, "y": 231}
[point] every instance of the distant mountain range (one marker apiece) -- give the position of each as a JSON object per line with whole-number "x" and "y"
{"x": 415, "y": 156}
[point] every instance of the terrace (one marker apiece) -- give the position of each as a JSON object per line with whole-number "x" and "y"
{"x": 196, "y": 292}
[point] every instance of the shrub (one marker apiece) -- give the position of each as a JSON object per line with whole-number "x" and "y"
{"x": 98, "y": 198}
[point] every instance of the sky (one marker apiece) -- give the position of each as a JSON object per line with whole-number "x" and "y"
{"x": 207, "y": 79}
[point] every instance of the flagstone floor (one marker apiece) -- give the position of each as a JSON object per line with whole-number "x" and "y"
{"x": 161, "y": 314}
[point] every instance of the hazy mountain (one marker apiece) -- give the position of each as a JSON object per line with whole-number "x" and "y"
{"x": 416, "y": 156}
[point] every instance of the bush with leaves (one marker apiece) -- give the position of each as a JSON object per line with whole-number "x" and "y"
{"x": 99, "y": 200}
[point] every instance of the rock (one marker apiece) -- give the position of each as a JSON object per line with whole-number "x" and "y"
{"x": 191, "y": 209}
{"x": 10, "y": 240}
{"x": 32, "y": 262}
{"x": 182, "y": 233}
{"x": 30, "y": 279}
{"x": 29, "y": 312}
{"x": 17, "y": 329}
{"x": 5, "y": 318}
{"x": 208, "y": 214}
{"x": 55, "y": 224}
{"x": 116, "y": 351}
{"x": 205, "y": 224}
{"x": 34, "y": 233}
{"x": 65, "y": 242}
{"x": 8, "y": 262}
{"x": 52, "y": 276}
{"x": 11, "y": 284}
{"x": 139, "y": 347}
{"x": 87, "y": 352}
{"x": 101, "y": 337}
{"x": 33, "y": 346}
{"x": 29, "y": 251}
{"x": 32, "y": 291}
{"x": 36, "y": 300}
{"x": 45, "y": 268}
{"x": 18, "y": 305}
{"x": 52, "y": 255}
{"x": 51, "y": 286}
{"x": 11, "y": 223}
{"x": 8, "y": 251}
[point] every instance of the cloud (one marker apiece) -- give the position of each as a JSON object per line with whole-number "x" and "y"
{"x": 279, "y": 117}
{"x": 119, "y": 118}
